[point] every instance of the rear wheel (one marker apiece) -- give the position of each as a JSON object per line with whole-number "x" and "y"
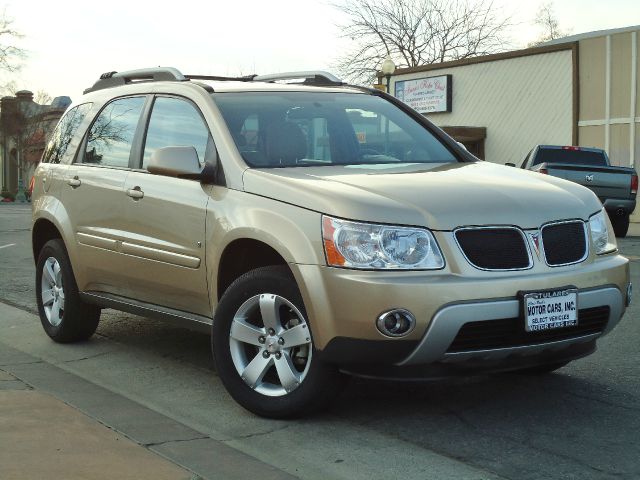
{"x": 64, "y": 316}
{"x": 264, "y": 350}
{"x": 620, "y": 224}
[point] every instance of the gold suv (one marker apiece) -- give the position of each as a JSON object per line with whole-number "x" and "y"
{"x": 315, "y": 229}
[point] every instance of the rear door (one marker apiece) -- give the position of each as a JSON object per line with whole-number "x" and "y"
{"x": 93, "y": 196}
{"x": 165, "y": 216}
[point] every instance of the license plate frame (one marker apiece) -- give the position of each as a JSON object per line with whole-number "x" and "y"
{"x": 553, "y": 309}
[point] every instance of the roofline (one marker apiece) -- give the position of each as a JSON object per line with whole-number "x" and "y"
{"x": 486, "y": 58}
{"x": 594, "y": 34}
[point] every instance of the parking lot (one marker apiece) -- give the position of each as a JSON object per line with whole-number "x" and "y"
{"x": 582, "y": 422}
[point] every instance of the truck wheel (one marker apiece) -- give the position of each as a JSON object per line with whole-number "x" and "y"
{"x": 620, "y": 224}
{"x": 263, "y": 347}
{"x": 64, "y": 316}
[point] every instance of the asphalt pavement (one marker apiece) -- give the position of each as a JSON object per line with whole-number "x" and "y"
{"x": 155, "y": 385}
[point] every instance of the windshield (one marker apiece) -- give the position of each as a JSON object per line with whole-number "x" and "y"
{"x": 286, "y": 129}
{"x": 577, "y": 157}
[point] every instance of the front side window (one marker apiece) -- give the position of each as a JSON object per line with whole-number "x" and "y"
{"x": 111, "y": 135}
{"x": 64, "y": 133}
{"x": 175, "y": 122}
{"x": 284, "y": 129}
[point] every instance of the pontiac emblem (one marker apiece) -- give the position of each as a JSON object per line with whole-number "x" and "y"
{"x": 535, "y": 240}
{"x": 589, "y": 178}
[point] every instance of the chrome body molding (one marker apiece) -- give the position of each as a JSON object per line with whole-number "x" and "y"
{"x": 176, "y": 317}
{"x": 447, "y": 322}
{"x": 100, "y": 239}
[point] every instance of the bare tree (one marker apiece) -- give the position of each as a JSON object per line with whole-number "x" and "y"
{"x": 417, "y": 32}
{"x": 10, "y": 53}
{"x": 548, "y": 22}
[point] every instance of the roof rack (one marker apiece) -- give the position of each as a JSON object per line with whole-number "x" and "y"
{"x": 245, "y": 78}
{"x": 113, "y": 79}
{"x": 311, "y": 77}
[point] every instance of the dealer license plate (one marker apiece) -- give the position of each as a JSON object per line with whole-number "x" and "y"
{"x": 550, "y": 309}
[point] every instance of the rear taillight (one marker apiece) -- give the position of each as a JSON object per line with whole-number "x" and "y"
{"x": 634, "y": 184}
{"x": 576, "y": 149}
{"x": 543, "y": 171}
{"x": 32, "y": 182}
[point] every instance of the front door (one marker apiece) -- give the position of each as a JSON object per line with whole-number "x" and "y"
{"x": 165, "y": 216}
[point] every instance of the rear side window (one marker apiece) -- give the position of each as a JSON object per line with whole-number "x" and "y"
{"x": 174, "y": 123}
{"x": 577, "y": 157}
{"x": 111, "y": 135}
{"x": 64, "y": 133}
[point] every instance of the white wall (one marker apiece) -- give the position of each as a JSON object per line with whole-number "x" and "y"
{"x": 521, "y": 101}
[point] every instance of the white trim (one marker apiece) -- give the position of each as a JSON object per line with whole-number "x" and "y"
{"x": 607, "y": 97}
{"x": 634, "y": 93}
{"x": 611, "y": 121}
{"x": 5, "y": 246}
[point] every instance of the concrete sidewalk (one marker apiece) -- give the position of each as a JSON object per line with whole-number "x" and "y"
{"x": 42, "y": 437}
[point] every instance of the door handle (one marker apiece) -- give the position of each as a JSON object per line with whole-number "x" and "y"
{"x": 74, "y": 182}
{"x": 136, "y": 193}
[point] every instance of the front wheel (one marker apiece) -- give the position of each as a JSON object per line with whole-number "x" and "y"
{"x": 264, "y": 350}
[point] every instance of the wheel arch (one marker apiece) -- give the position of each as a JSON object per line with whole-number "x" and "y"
{"x": 241, "y": 255}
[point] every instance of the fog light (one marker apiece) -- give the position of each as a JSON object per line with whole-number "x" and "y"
{"x": 629, "y": 291}
{"x": 396, "y": 323}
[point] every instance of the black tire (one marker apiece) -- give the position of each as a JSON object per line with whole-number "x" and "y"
{"x": 321, "y": 383}
{"x": 78, "y": 320}
{"x": 541, "y": 369}
{"x": 620, "y": 224}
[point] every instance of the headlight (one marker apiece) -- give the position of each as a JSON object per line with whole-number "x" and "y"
{"x": 371, "y": 246}
{"x": 601, "y": 233}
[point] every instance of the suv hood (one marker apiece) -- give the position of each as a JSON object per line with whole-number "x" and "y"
{"x": 438, "y": 196}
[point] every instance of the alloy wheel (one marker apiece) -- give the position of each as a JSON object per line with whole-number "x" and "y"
{"x": 270, "y": 344}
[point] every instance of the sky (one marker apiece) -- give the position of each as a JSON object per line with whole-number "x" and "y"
{"x": 70, "y": 43}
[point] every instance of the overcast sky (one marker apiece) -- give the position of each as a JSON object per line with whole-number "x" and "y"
{"x": 70, "y": 43}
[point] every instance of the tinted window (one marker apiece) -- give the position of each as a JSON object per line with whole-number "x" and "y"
{"x": 281, "y": 129}
{"x": 64, "y": 133}
{"x": 111, "y": 135}
{"x": 577, "y": 157}
{"x": 175, "y": 122}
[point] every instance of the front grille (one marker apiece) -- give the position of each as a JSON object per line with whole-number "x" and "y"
{"x": 564, "y": 243}
{"x": 510, "y": 332}
{"x": 494, "y": 248}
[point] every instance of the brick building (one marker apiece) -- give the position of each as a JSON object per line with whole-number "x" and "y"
{"x": 25, "y": 127}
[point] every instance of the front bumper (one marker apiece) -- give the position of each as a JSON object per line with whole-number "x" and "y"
{"x": 344, "y": 304}
{"x": 449, "y": 320}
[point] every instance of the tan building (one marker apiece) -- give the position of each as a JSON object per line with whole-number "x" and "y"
{"x": 579, "y": 90}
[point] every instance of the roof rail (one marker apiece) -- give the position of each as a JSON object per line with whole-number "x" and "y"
{"x": 311, "y": 77}
{"x": 113, "y": 79}
{"x": 245, "y": 78}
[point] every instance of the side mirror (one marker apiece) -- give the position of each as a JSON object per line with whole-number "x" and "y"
{"x": 509, "y": 164}
{"x": 181, "y": 162}
{"x": 462, "y": 145}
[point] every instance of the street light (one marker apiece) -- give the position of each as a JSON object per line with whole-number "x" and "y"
{"x": 388, "y": 67}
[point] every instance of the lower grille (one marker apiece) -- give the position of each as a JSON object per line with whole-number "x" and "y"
{"x": 499, "y": 248}
{"x": 564, "y": 243}
{"x": 510, "y": 332}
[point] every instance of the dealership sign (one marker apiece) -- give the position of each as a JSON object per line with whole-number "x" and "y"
{"x": 426, "y": 95}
